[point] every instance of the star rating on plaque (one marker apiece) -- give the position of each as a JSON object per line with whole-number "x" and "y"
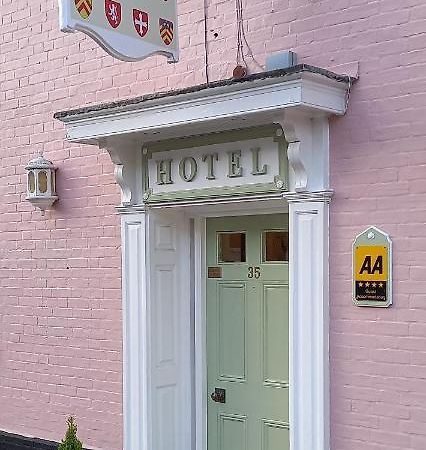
{"x": 367, "y": 284}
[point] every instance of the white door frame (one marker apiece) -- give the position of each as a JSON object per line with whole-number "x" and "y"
{"x": 309, "y": 387}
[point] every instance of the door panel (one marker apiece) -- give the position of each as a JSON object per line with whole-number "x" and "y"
{"x": 169, "y": 367}
{"x": 164, "y": 331}
{"x": 232, "y": 326}
{"x": 275, "y": 356}
{"x": 247, "y": 332}
{"x": 233, "y": 432}
{"x": 274, "y": 434}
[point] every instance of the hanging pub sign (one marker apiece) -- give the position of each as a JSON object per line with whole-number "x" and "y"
{"x": 130, "y": 30}
{"x": 372, "y": 269}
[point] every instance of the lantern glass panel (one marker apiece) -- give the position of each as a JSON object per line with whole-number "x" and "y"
{"x": 42, "y": 182}
{"x": 31, "y": 182}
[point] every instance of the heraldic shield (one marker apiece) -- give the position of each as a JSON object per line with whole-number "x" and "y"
{"x": 113, "y": 12}
{"x": 123, "y": 28}
{"x": 84, "y": 7}
{"x": 166, "y": 31}
{"x": 140, "y": 21}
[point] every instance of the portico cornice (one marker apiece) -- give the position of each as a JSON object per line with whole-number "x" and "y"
{"x": 299, "y": 100}
{"x": 222, "y": 105}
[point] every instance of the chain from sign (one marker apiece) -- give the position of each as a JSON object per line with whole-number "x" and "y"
{"x": 372, "y": 269}
{"x": 129, "y": 30}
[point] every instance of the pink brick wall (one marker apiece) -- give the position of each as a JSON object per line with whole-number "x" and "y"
{"x": 60, "y": 347}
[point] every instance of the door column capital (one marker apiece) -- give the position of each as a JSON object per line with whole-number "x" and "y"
{"x": 324, "y": 196}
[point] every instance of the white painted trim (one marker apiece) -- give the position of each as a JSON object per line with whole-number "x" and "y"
{"x": 250, "y": 103}
{"x": 308, "y": 153}
{"x": 309, "y": 325}
{"x": 135, "y": 336}
{"x": 200, "y": 335}
{"x": 306, "y": 197}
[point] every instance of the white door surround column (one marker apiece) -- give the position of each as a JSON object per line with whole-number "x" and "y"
{"x": 135, "y": 332}
{"x": 309, "y": 198}
{"x": 309, "y": 320}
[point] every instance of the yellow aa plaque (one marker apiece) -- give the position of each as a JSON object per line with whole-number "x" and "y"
{"x": 372, "y": 269}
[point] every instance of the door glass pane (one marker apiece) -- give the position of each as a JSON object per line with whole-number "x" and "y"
{"x": 275, "y": 246}
{"x": 232, "y": 247}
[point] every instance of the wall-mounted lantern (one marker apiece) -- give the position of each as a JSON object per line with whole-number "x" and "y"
{"x": 41, "y": 183}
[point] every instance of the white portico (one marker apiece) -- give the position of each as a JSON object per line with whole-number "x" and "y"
{"x": 234, "y": 148}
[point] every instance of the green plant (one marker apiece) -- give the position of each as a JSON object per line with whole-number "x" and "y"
{"x": 71, "y": 441}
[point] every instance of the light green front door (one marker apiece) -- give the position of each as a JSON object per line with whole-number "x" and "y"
{"x": 247, "y": 333}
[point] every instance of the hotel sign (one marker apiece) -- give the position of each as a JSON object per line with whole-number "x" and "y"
{"x": 372, "y": 269}
{"x": 130, "y": 30}
{"x": 221, "y": 165}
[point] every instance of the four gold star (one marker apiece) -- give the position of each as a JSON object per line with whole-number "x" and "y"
{"x": 372, "y": 284}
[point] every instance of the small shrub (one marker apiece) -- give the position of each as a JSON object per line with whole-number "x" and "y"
{"x": 71, "y": 442}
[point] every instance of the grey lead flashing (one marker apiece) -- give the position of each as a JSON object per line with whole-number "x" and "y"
{"x": 280, "y": 73}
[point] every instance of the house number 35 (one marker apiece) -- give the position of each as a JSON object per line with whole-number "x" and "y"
{"x": 253, "y": 272}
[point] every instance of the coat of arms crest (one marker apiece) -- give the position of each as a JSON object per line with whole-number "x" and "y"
{"x": 166, "y": 31}
{"x": 113, "y": 12}
{"x": 84, "y": 8}
{"x": 140, "y": 21}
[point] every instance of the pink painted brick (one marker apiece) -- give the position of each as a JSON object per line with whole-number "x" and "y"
{"x": 61, "y": 327}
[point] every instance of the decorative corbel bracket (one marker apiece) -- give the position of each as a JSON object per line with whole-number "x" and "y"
{"x": 119, "y": 171}
{"x": 307, "y": 151}
{"x": 294, "y": 154}
{"x": 296, "y": 163}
